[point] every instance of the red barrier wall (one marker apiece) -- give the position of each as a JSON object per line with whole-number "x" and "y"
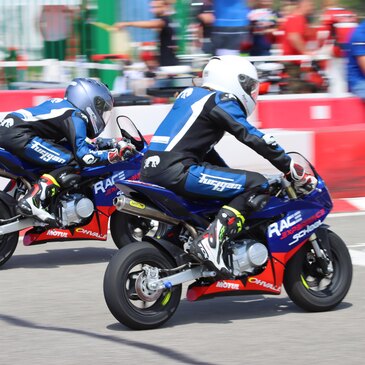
{"x": 310, "y": 113}
{"x": 338, "y": 125}
{"x": 17, "y": 99}
{"x": 340, "y": 159}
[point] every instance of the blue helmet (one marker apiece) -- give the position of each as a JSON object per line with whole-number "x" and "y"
{"x": 94, "y": 100}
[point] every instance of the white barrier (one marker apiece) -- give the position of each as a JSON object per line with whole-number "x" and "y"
{"x": 148, "y": 117}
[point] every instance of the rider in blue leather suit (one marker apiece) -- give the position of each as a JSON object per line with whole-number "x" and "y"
{"x": 34, "y": 134}
{"x": 181, "y": 155}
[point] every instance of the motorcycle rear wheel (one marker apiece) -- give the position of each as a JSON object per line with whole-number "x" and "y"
{"x": 127, "y": 228}
{"x": 308, "y": 294}
{"x": 126, "y": 300}
{"x": 8, "y": 242}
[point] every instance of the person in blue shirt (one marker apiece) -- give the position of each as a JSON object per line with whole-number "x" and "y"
{"x": 182, "y": 158}
{"x": 356, "y": 62}
{"x": 230, "y": 27}
{"x": 34, "y": 134}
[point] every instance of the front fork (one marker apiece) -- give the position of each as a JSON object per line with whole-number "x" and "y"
{"x": 323, "y": 254}
{"x": 324, "y": 257}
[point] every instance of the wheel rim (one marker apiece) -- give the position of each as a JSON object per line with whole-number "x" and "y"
{"x": 139, "y": 297}
{"x": 318, "y": 284}
{"x": 140, "y": 227}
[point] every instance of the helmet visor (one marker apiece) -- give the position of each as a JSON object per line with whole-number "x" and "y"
{"x": 249, "y": 85}
{"x": 106, "y": 116}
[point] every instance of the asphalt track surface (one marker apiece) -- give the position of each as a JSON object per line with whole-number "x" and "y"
{"x": 52, "y": 311}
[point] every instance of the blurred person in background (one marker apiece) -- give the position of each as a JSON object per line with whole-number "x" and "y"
{"x": 300, "y": 39}
{"x": 164, "y": 25}
{"x": 356, "y": 62}
{"x": 34, "y": 134}
{"x": 205, "y": 17}
{"x": 55, "y": 25}
{"x": 296, "y": 29}
{"x": 230, "y": 27}
{"x": 337, "y": 23}
{"x": 263, "y": 22}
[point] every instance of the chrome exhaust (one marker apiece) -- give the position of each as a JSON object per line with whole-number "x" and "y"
{"x": 124, "y": 204}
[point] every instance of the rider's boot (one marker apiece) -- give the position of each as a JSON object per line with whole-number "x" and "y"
{"x": 33, "y": 204}
{"x": 208, "y": 247}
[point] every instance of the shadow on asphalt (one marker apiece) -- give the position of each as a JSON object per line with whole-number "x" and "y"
{"x": 60, "y": 257}
{"x": 226, "y": 310}
{"x": 169, "y": 354}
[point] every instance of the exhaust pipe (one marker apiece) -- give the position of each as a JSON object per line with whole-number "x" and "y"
{"x": 127, "y": 205}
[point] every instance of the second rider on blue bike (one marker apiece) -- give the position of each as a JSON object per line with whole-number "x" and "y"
{"x": 182, "y": 158}
{"x": 34, "y": 134}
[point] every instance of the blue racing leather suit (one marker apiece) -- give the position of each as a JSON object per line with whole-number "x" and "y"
{"x": 181, "y": 155}
{"x": 52, "y": 134}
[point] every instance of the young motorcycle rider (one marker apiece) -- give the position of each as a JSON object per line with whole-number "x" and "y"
{"x": 34, "y": 134}
{"x": 182, "y": 158}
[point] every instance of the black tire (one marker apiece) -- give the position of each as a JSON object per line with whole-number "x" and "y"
{"x": 126, "y": 228}
{"x": 309, "y": 295}
{"x": 8, "y": 242}
{"x": 120, "y": 291}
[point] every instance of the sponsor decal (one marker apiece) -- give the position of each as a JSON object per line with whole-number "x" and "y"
{"x": 56, "y": 100}
{"x": 104, "y": 185}
{"x": 89, "y": 159}
{"x": 294, "y": 225}
{"x": 152, "y": 161}
{"x": 263, "y": 283}
{"x": 137, "y": 204}
{"x": 46, "y": 153}
{"x": 55, "y": 233}
{"x": 160, "y": 139}
{"x": 218, "y": 183}
{"x": 7, "y": 123}
{"x": 278, "y": 227}
{"x": 226, "y": 285}
{"x": 91, "y": 233}
{"x": 185, "y": 94}
{"x": 310, "y": 228}
{"x": 270, "y": 140}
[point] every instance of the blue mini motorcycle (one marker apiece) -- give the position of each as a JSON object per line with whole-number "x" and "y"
{"x": 84, "y": 208}
{"x": 285, "y": 244}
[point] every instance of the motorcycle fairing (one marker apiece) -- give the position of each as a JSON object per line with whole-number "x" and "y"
{"x": 169, "y": 202}
{"x": 295, "y": 227}
{"x": 96, "y": 229}
{"x": 270, "y": 281}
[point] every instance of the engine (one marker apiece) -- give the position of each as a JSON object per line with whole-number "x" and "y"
{"x": 74, "y": 209}
{"x": 247, "y": 255}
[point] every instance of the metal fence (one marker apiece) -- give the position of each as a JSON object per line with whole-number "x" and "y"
{"x": 73, "y": 30}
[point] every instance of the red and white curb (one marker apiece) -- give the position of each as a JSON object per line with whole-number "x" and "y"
{"x": 348, "y": 205}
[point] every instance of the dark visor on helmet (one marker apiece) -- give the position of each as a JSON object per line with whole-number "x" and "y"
{"x": 249, "y": 85}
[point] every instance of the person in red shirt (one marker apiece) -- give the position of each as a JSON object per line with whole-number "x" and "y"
{"x": 296, "y": 29}
{"x": 339, "y": 23}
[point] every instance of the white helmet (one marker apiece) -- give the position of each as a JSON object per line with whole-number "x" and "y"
{"x": 235, "y": 75}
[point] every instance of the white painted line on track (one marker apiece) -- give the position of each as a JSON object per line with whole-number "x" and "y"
{"x": 356, "y": 245}
{"x": 357, "y": 202}
{"x": 343, "y": 215}
{"x": 358, "y": 257}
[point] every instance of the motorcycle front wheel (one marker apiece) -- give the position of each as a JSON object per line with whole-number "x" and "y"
{"x": 126, "y": 294}
{"x": 9, "y": 241}
{"x": 127, "y": 228}
{"x": 308, "y": 288}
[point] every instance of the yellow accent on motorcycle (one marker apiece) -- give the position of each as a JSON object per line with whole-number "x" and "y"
{"x": 137, "y": 204}
{"x": 51, "y": 178}
{"x": 166, "y": 299}
{"x": 304, "y": 282}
